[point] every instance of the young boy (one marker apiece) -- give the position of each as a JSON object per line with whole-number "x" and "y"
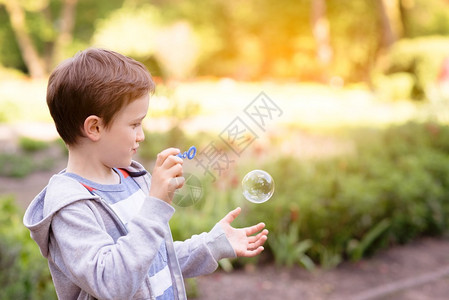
{"x": 102, "y": 223}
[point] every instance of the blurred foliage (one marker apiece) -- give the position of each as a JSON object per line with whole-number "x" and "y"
{"x": 32, "y": 145}
{"x": 411, "y": 67}
{"x": 155, "y": 142}
{"x": 425, "y": 17}
{"x": 43, "y": 20}
{"x": 33, "y": 155}
{"x": 289, "y": 250}
{"x": 15, "y": 165}
{"x": 246, "y": 40}
{"x": 8, "y": 111}
{"x": 179, "y": 112}
{"x": 192, "y": 289}
{"x": 393, "y": 188}
{"x": 396, "y": 86}
{"x": 24, "y": 273}
{"x": 10, "y": 56}
{"x": 355, "y": 46}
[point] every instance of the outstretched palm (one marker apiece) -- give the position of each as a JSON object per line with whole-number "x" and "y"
{"x": 248, "y": 241}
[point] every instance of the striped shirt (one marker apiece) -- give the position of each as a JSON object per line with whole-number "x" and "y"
{"x": 125, "y": 199}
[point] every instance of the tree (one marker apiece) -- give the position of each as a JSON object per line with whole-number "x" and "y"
{"x": 320, "y": 28}
{"x": 37, "y": 65}
{"x": 390, "y": 22}
{"x": 66, "y": 30}
{"x": 30, "y": 55}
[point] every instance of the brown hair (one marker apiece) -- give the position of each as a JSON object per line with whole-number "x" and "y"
{"x": 94, "y": 82}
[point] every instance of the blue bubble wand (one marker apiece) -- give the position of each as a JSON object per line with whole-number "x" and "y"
{"x": 190, "y": 154}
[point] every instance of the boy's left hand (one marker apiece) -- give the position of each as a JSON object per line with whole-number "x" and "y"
{"x": 245, "y": 241}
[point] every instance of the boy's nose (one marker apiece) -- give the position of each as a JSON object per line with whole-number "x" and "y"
{"x": 140, "y": 136}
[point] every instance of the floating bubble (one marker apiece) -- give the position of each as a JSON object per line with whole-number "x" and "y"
{"x": 258, "y": 186}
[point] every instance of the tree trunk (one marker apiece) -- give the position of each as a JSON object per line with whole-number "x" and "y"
{"x": 29, "y": 53}
{"x": 320, "y": 27}
{"x": 321, "y": 33}
{"x": 390, "y": 19}
{"x": 48, "y": 45}
{"x": 65, "y": 31}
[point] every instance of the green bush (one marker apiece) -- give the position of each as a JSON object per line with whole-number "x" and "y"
{"x": 32, "y": 145}
{"x": 421, "y": 58}
{"x": 33, "y": 155}
{"x": 24, "y": 273}
{"x": 397, "y": 86}
{"x": 20, "y": 165}
{"x": 392, "y": 189}
{"x": 416, "y": 20}
{"x": 15, "y": 165}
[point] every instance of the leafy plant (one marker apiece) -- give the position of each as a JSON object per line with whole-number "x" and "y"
{"x": 289, "y": 250}
{"x": 24, "y": 273}
{"x": 359, "y": 248}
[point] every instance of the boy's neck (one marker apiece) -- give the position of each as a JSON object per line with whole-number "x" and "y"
{"x": 89, "y": 167}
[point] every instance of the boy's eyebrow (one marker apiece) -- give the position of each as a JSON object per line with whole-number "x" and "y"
{"x": 141, "y": 118}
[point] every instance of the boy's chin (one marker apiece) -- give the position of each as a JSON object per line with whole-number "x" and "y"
{"x": 124, "y": 164}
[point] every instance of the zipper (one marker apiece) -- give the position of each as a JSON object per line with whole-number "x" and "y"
{"x": 107, "y": 207}
{"x": 113, "y": 213}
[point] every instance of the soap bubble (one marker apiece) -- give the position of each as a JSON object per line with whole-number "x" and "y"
{"x": 258, "y": 186}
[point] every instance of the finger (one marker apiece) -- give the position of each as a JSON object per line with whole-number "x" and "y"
{"x": 163, "y": 155}
{"x": 174, "y": 170}
{"x": 257, "y": 243}
{"x": 254, "y": 229}
{"x": 172, "y": 160}
{"x": 252, "y": 253}
{"x": 170, "y": 168}
{"x": 177, "y": 183}
{"x": 254, "y": 238}
{"x": 232, "y": 215}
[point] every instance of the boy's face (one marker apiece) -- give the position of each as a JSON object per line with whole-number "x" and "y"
{"x": 120, "y": 141}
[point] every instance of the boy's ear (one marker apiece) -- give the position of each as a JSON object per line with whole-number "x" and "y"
{"x": 93, "y": 126}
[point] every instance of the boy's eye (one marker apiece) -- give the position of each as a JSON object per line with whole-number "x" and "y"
{"x": 136, "y": 125}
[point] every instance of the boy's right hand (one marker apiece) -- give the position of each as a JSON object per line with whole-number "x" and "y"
{"x": 167, "y": 175}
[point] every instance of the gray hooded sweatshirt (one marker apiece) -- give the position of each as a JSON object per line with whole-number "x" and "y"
{"x": 91, "y": 254}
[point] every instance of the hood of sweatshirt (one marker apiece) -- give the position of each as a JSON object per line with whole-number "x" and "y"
{"x": 60, "y": 192}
